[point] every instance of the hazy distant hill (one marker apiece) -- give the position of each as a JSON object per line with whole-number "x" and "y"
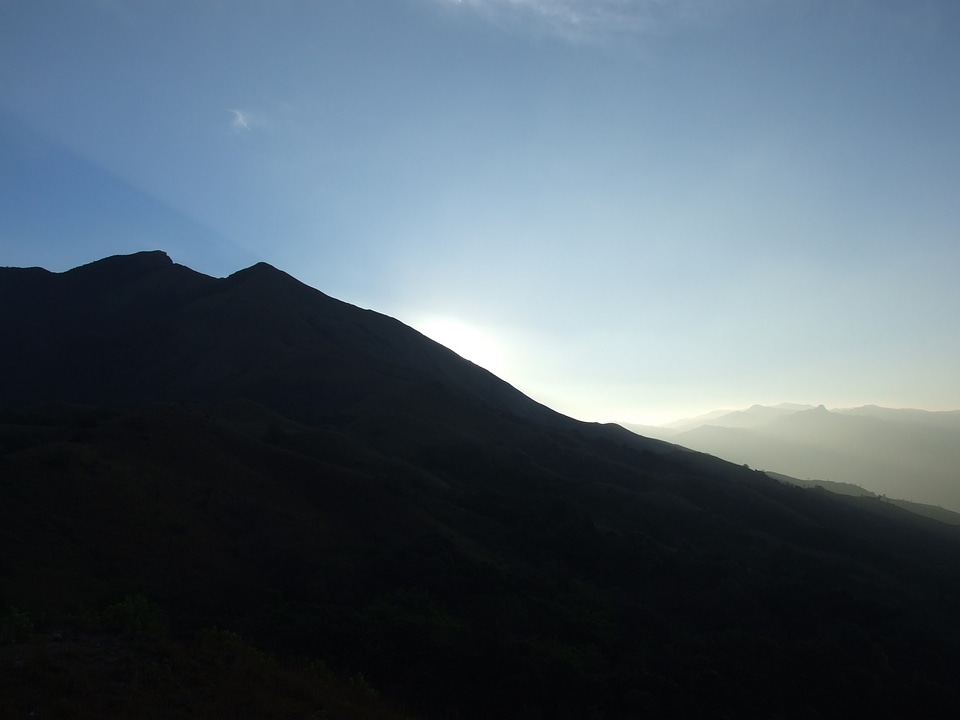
{"x": 908, "y": 454}
{"x": 239, "y": 497}
{"x": 751, "y": 417}
{"x": 932, "y": 511}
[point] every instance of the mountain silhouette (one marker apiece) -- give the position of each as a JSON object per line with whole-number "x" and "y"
{"x": 130, "y": 329}
{"x": 242, "y": 496}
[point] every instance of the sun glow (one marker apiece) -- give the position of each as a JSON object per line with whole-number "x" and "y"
{"x": 466, "y": 340}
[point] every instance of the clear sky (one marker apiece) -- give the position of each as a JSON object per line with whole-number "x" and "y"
{"x": 630, "y": 209}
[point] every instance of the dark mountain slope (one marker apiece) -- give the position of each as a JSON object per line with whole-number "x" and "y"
{"x": 479, "y": 571}
{"x": 331, "y": 485}
{"x": 138, "y": 328}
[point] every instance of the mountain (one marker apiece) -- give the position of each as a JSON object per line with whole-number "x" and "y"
{"x": 942, "y": 419}
{"x": 751, "y": 417}
{"x": 909, "y": 454}
{"x": 141, "y": 328}
{"x": 757, "y": 415}
{"x": 240, "y": 497}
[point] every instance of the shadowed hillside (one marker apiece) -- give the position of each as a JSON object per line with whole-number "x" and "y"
{"x": 207, "y": 480}
{"x": 141, "y": 328}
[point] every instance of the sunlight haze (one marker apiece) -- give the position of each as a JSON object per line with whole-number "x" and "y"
{"x": 467, "y": 341}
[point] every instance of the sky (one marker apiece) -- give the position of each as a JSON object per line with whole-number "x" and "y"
{"x": 632, "y": 210}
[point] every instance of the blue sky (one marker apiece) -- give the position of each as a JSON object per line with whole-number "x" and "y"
{"x": 631, "y": 210}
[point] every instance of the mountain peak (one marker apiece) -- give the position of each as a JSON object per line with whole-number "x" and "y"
{"x": 268, "y": 278}
{"x": 144, "y": 260}
{"x": 261, "y": 270}
{"x": 122, "y": 268}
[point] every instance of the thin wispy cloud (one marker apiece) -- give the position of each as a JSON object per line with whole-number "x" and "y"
{"x": 241, "y": 121}
{"x": 595, "y": 19}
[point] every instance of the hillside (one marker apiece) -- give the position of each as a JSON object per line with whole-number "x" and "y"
{"x": 239, "y": 497}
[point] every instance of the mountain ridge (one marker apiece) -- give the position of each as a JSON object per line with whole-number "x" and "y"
{"x": 259, "y": 282}
{"x": 245, "y": 458}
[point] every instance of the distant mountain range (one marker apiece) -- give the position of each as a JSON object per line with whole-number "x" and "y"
{"x": 239, "y": 497}
{"x": 909, "y": 454}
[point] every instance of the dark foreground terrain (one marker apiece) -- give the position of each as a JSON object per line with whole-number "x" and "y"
{"x": 242, "y": 498}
